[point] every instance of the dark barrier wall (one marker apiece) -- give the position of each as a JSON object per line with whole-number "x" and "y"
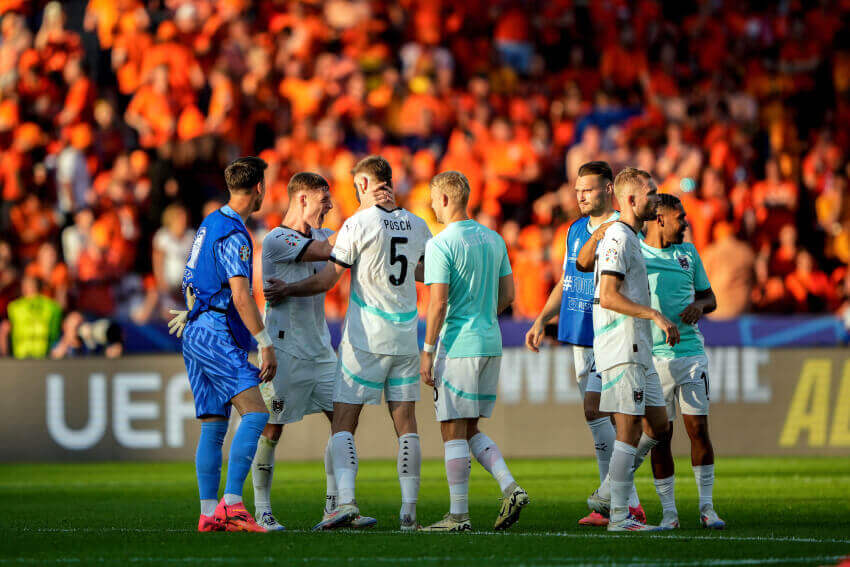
{"x": 764, "y": 402}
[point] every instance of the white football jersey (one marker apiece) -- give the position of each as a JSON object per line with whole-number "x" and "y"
{"x": 297, "y": 324}
{"x": 618, "y": 338}
{"x": 382, "y": 248}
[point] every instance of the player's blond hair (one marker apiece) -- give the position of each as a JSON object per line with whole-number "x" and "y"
{"x": 376, "y": 167}
{"x": 306, "y": 181}
{"x": 454, "y": 185}
{"x": 627, "y": 181}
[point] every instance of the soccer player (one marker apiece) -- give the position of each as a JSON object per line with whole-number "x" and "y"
{"x": 571, "y": 300}
{"x": 306, "y": 372}
{"x": 470, "y": 280}
{"x": 379, "y": 351}
{"x": 622, "y": 345}
{"x": 680, "y": 289}
{"x": 221, "y": 321}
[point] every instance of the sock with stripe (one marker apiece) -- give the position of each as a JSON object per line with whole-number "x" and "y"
{"x": 409, "y": 464}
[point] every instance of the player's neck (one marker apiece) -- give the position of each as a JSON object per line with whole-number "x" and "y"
{"x": 457, "y": 216}
{"x": 628, "y": 217}
{"x": 653, "y": 238}
{"x": 596, "y": 220}
{"x": 242, "y": 206}
{"x": 297, "y": 222}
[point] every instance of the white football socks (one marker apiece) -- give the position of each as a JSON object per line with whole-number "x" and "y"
{"x": 231, "y": 499}
{"x": 262, "y": 473}
{"x": 457, "y": 473}
{"x": 604, "y": 436}
{"x": 645, "y": 445}
{"x": 487, "y": 453}
{"x": 344, "y": 465}
{"x": 665, "y": 488}
{"x": 621, "y": 471}
{"x": 331, "y": 491}
{"x": 409, "y": 464}
{"x": 704, "y": 475}
{"x": 208, "y": 507}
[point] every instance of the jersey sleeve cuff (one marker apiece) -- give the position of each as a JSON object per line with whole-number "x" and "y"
{"x": 614, "y": 273}
{"x": 303, "y": 250}
{"x": 338, "y": 261}
{"x": 702, "y": 294}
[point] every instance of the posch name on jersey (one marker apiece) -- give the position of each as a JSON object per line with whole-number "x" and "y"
{"x": 397, "y": 225}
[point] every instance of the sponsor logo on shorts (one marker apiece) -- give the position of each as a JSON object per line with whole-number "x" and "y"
{"x": 277, "y": 406}
{"x": 638, "y": 394}
{"x": 683, "y": 261}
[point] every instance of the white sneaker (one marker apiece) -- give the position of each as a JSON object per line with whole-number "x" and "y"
{"x": 268, "y": 521}
{"x": 339, "y": 518}
{"x": 710, "y": 520}
{"x": 362, "y": 522}
{"x": 670, "y": 521}
{"x": 630, "y": 524}
{"x": 599, "y": 504}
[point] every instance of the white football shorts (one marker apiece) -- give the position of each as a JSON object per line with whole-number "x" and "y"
{"x": 684, "y": 380}
{"x": 587, "y": 377}
{"x": 465, "y": 387}
{"x": 629, "y": 388}
{"x": 362, "y": 376}
{"x": 300, "y": 387}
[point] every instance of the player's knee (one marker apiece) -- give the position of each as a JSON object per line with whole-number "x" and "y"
{"x": 591, "y": 407}
{"x": 697, "y": 427}
{"x": 272, "y": 431}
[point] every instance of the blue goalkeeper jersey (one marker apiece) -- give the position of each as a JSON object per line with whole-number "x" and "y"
{"x": 575, "y": 324}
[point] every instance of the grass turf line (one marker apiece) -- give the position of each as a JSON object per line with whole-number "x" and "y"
{"x": 780, "y": 512}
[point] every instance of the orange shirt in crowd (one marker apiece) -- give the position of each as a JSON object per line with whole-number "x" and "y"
{"x": 58, "y": 278}
{"x": 305, "y": 95}
{"x": 801, "y": 285}
{"x": 156, "y": 110}
{"x": 621, "y": 66}
{"x": 503, "y": 162}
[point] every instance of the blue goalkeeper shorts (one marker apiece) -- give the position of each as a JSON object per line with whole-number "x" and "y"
{"x": 218, "y": 369}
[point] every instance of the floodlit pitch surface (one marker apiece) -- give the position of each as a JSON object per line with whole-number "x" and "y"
{"x": 779, "y": 511}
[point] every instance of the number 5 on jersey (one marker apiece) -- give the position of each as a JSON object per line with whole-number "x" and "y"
{"x": 396, "y": 257}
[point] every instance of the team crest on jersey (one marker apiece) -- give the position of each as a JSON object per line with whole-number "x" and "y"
{"x": 638, "y": 394}
{"x": 683, "y": 261}
{"x": 277, "y": 406}
{"x": 244, "y": 253}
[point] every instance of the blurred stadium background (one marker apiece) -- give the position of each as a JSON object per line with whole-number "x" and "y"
{"x": 118, "y": 116}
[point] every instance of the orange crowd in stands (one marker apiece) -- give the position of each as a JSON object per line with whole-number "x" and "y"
{"x": 118, "y": 116}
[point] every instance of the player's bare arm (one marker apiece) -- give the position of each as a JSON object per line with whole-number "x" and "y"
{"x": 586, "y": 260}
{"x": 438, "y": 304}
{"x": 276, "y": 290}
{"x": 611, "y": 298}
{"x": 550, "y": 310}
{"x": 247, "y": 309}
{"x": 507, "y": 293}
{"x": 704, "y": 302}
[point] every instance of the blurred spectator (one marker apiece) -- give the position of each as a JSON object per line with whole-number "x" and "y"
{"x": 80, "y": 338}
{"x": 729, "y": 263}
{"x": 9, "y": 278}
{"x": 810, "y": 288}
{"x": 51, "y": 273}
{"x": 34, "y": 322}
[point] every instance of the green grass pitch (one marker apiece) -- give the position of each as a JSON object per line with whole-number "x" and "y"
{"x": 780, "y": 512}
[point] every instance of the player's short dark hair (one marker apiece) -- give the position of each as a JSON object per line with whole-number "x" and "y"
{"x": 669, "y": 201}
{"x": 375, "y": 167}
{"x": 306, "y": 181}
{"x": 243, "y": 174}
{"x": 600, "y": 168}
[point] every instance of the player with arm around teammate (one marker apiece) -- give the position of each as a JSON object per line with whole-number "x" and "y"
{"x": 572, "y": 302}
{"x": 470, "y": 280}
{"x": 379, "y": 354}
{"x": 304, "y": 382}
{"x": 622, "y": 345}
{"x": 217, "y": 337}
